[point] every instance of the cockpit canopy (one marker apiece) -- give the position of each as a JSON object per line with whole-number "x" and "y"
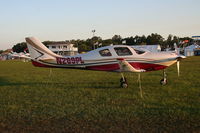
{"x": 119, "y": 51}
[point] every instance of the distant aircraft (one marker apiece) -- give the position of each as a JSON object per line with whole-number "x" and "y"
{"x": 22, "y": 55}
{"x": 117, "y": 58}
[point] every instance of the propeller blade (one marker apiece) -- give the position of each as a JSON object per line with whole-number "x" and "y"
{"x": 178, "y": 67}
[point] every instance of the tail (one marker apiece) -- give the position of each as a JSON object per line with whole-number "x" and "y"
{"x": 39, "y": 51}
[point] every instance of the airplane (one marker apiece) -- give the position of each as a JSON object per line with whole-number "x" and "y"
{"x": 22, "y": 55}
{"x": 116, "y": 58}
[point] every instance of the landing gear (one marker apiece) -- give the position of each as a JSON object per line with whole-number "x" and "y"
{"x": 123, "y": 81}
{"x": 164, "y": 80}
{"x": 124, "y": 84}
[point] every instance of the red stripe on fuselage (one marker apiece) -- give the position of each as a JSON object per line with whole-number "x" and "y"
{"x": 108, "y": 67}
{"x": 114, "y": 67}
{"x": 147, "y": 66}
{"x": 37, "y": 64}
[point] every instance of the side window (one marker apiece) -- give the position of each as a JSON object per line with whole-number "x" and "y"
{"x": 139, "y": 51}
{"x": 53, "y": 46}
{"x": 122, "y": 51}
{"x": 105, "y": 52}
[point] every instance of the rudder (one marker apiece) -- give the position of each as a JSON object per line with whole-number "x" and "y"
{"x": 38, "y": 51}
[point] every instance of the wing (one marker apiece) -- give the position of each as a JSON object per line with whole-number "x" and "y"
{"x": 126, "y": 67}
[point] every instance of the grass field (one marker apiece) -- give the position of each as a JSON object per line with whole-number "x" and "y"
{"x": 34, "y": 100}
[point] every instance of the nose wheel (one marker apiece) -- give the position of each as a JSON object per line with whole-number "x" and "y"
{"x": 163, "y": 81}
{"x": 123, "y": 82}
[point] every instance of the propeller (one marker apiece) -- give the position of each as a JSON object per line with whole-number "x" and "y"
{"x": 178, "y": 59}
{"x": 178, "y": 67}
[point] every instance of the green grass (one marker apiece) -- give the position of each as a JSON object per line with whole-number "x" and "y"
{"x": 33, "y": 100}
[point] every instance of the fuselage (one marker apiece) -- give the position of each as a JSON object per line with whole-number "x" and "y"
{"x": 106, "y": 59}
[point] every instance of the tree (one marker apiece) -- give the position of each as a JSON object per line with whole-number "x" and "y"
{"x": 19, "y": 47}
{"x": 154, "y": 39}
{"x": 106, "y": 42}
{"x": 88, "y": 44}
{"x": 186, "y": 38}
{"x": 140, "y": 40}
{"x": 47, "y": 42}
{"x": 185, "y": 41}
{"x": 129, "y": 41}
{"x": 169, "y": 42}
{"x": 116, "y": 39}
{"x": 96, "y": 39}
{"x": 83, "y": 48}
{"x": 176, "y": 39}
{"x": 143, "y": 40}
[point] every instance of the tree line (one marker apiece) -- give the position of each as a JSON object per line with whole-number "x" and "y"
{"x": 94, "y": 42}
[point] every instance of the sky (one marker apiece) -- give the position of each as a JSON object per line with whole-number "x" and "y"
{"x": 60, "y": 20}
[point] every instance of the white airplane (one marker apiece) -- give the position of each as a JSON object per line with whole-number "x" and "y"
{"x": 117, "y": 58}
{"x": 24, "y": 56}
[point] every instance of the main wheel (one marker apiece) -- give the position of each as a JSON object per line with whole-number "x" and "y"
{"x": 123, "y": 83}
{"x": 163, "y": 81}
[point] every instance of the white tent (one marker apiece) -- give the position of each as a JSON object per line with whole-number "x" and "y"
{"x": 189, "y": 50}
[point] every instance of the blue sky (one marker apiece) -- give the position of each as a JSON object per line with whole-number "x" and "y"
{"x": 74, "y": 19}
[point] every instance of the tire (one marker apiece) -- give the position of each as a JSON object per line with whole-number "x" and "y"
{"x": 163, "y": 81}
{"x": 124, "y": 85}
